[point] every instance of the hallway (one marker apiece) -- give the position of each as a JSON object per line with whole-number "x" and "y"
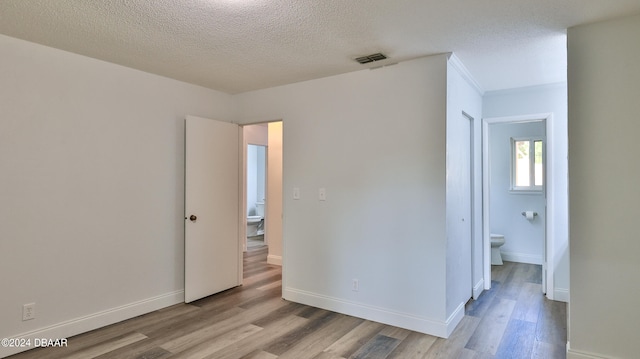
{"x": 514, "y": 319}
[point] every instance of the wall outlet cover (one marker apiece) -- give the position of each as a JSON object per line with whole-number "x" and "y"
{"x": 29, "y": 311}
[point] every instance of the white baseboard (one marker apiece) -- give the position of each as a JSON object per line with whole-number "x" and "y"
{"x": 97, "y": 320}
{"x": 561, "y": 294}
{"x": 478, "y": 288}
{"x": 454, "y": 319}
{"x": 275, "y": 260}
{"x": 403, "y": 320}
{"x": 521, "y": 257}
{"x": 576, "y": 354}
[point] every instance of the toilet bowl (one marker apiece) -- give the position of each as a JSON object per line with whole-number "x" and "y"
{"x": 497, "y": 240}
{"x": 260, "y": 212}
{"x": 255, "y": 224}
{"x": 252, "y": 225}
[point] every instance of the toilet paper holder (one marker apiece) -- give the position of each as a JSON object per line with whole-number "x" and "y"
{"x": 535, "y": 214}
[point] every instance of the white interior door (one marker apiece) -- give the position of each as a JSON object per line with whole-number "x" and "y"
{"x": 466, "y": 219}
{"x": 212, "y": 253}
{"x": 459, "y": 206}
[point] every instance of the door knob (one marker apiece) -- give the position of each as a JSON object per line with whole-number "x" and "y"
{"x": 193, "y": 218}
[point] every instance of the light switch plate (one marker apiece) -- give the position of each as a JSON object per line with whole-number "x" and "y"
{"x": 296, "y": 193}
{"x": 322, "y": 194}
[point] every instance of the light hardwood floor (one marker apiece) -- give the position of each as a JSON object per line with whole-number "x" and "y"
{"x": 512, "y": 320}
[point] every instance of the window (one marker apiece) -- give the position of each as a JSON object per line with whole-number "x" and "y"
{"x": 527, "y": 167}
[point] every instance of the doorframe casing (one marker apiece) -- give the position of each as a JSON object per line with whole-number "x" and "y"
{"x": 548, "y": 254}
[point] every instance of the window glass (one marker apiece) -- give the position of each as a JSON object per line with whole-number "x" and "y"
{"x": 527, "y": 166}
{"x": 538, "y": 163}
{"x": 522, "y": 163}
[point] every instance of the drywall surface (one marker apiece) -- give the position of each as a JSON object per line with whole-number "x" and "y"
{"x": 603, "y": 77}
{"x": 256, "y": 134}
{"x": 92, "y": 189}
{"x": 374, "y": 140}
{"x": 274, "y": 194}
{"x": 252, "y": 135}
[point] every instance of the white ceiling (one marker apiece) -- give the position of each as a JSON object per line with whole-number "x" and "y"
{"x": 241, "y": 45}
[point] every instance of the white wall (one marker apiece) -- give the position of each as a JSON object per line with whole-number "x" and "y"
{"x": 543, "y": 100}
{"x": 261, "y": 174}
{"x": 92, "y": 189}
{"x": 604, "y": 73}
{"x": 256, "y": 177}
{"x": 464, "y": 100}
{"x": 252, "y": 180}
{"x": 273, "y": 220}
{"x": 258, "y": 135}
{"x": 524, "y": 239}
{"x": 253, "y": 135}
{"x": 375, "y": 139}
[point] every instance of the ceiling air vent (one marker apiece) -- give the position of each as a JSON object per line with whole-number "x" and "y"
{"x": 371, "y": 58}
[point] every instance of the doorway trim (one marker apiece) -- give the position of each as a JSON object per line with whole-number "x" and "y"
{"x": 548, "y": 254}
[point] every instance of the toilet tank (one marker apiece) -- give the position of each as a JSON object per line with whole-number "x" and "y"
{"x": 260, "y": 209}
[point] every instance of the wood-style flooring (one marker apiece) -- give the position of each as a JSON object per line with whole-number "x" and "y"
{"x": 512, "y": 320}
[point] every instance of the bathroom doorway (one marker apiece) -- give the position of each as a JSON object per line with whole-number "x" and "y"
{"x": 261, "y": 219}
{"x": 513, "y": 209}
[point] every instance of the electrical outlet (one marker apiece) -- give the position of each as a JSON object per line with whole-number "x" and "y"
{"x": 29, "y": 311}
{"x": 355, "y": 285}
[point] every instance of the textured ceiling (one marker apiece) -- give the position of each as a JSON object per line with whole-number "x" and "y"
{"x": 242, "y": 45}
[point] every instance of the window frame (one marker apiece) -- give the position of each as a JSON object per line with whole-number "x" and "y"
{"x": 532, "y": 188}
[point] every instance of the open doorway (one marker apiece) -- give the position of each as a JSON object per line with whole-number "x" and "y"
{"x": 261, "y": 202}
{"x": 516, "y": 212}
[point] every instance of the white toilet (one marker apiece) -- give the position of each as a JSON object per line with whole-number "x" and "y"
{"x": 252, "y": 225}
{"x": 497, "y": 240}
{"x": 255, "y": 225}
